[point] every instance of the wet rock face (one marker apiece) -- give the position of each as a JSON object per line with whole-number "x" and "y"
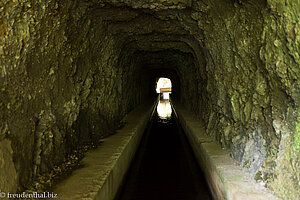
{"x": 71, "y": 70}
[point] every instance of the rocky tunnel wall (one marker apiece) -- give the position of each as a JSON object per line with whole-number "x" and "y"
{"x": 253, "y": 86}
{"x": 62, "y": 87}
{"x": 71, "y": 70}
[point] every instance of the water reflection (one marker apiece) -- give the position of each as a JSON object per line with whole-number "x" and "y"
{"x": 164, "y": 110}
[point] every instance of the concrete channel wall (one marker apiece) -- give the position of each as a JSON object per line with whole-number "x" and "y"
{"x": 104, "y": 168}
{"x": 226, "y": 178}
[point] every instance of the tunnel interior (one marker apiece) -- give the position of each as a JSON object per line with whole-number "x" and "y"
{"x": 71, "y": 70}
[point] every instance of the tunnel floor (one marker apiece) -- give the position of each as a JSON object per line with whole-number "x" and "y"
{"x": 164, "y": 167}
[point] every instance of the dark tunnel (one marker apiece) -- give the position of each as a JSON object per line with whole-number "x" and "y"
{"x": 70, "y": 71}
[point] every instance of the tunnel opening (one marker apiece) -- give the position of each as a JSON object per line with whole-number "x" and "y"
{"x": 164, "y": 87}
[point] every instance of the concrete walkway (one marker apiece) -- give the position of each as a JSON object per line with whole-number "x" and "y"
{"x": 225, "y": 177}
{"x": 104, "y": 168}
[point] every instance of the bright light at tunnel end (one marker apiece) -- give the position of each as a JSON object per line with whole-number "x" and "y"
{"x": 164, "y": 87}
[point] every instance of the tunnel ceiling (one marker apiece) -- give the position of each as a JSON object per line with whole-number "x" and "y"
{"x": 145, "y": 4}
{"x": 157, "y": 40}
{"x": 141, "y": 30}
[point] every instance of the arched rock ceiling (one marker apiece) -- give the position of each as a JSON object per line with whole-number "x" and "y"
{"x": 146, "y": 4}
{"x": 140, "y": 31}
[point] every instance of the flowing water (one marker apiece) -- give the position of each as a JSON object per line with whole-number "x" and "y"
{"x": 164, "y": 167}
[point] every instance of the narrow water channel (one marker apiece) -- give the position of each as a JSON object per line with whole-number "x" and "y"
{"x": 164, "y": 167}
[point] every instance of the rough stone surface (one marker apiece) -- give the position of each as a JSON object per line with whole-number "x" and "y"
{"x": 61, "y": 86}
{"x": 103, "y": 169}
{"x": 8, "y": 175}
{"x": 225, "y": 177}
{"x": 70, "y": 70}
{"x": 253, "y": 86}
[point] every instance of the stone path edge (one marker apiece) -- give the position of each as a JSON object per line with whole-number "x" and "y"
{"x": 105, "y": 167}
{"x": 226, "y": 178}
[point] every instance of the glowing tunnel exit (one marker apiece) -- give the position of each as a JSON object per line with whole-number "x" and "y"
{"x": 164, "y": 87}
